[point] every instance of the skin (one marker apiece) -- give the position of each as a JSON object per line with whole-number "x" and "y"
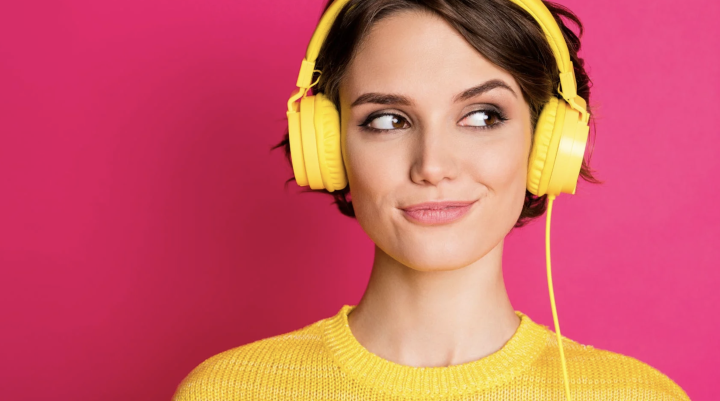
{"x": 436, "y": 295}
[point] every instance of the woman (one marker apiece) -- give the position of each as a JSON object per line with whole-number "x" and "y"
{"x": 438, "y": 104}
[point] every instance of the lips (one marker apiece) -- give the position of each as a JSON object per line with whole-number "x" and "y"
{"x": 437, "y": 205}
{"x": 434, "y": 213}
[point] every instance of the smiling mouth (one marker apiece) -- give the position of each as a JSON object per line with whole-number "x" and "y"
{"x": 436, "y": 214}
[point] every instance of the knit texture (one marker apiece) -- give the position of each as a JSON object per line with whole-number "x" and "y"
{"x": 324, "y": 361}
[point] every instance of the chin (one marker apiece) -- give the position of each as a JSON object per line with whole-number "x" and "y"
{"x": 437, "y": 257}
{"x": 441, "y": 264}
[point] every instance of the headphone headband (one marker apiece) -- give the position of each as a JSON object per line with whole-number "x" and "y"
{"x": 536, "y": 8}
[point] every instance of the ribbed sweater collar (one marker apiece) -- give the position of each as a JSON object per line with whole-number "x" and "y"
{"x": 422, "y": 382}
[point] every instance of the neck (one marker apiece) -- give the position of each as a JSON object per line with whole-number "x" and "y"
{"x": 434, "y": 318}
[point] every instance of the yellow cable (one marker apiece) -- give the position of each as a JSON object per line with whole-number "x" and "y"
{"x": 551, "y": 198}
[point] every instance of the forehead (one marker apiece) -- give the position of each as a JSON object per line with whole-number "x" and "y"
{"x": 415, "y": 52}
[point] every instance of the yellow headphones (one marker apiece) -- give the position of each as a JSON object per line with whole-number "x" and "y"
{"x": 555, "y": 159}
{"x": 559, "y": 139}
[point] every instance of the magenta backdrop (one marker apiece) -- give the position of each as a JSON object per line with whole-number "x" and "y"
{"x": 144, "y": 225}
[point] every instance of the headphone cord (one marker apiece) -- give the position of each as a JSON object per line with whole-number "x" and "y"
{"x": 551, "y": 198}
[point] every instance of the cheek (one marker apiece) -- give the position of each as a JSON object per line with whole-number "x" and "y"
{"x": 375, "y": 172}
{"x": 502, "y": 168}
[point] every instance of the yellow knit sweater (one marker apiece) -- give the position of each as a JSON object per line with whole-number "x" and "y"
{"x": 324, "y": 361}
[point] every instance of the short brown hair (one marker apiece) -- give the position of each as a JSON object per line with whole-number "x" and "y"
{"x": 500, "y": 30}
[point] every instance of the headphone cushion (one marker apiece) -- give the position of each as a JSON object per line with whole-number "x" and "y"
{"x": 541, "y": 143}
{"x": 327, "y": 132}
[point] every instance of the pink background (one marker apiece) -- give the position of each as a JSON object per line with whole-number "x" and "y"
{"x": 144, "y": 225}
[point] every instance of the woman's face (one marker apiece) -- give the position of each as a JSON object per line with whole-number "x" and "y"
{"x": 439, "y": 142}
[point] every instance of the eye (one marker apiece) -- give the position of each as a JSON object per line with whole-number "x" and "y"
{"x": 384, "y": 122}
{"x": 483, "y": 119}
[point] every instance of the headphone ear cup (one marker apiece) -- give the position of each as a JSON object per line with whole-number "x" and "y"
{"x": 327, "y": 134}
{"x": 309, "y": 146}
{"x": 558, "y": 149}
{"x": 541, "y": 161}
{"x": 569, "y": 151}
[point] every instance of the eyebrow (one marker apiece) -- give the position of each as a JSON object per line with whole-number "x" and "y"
{"x": 388, "y": 98}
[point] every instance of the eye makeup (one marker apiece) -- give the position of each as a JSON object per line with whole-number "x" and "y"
{"x": 491, "y": 113}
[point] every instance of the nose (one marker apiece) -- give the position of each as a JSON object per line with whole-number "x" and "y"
{"x": 434, "y": 157}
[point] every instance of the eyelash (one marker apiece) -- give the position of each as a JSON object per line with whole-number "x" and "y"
{"x": 500, "y": 116}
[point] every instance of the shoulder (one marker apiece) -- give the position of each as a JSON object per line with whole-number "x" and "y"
{"x": 620, "y": 376}
{"x": 241, "y": 371}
